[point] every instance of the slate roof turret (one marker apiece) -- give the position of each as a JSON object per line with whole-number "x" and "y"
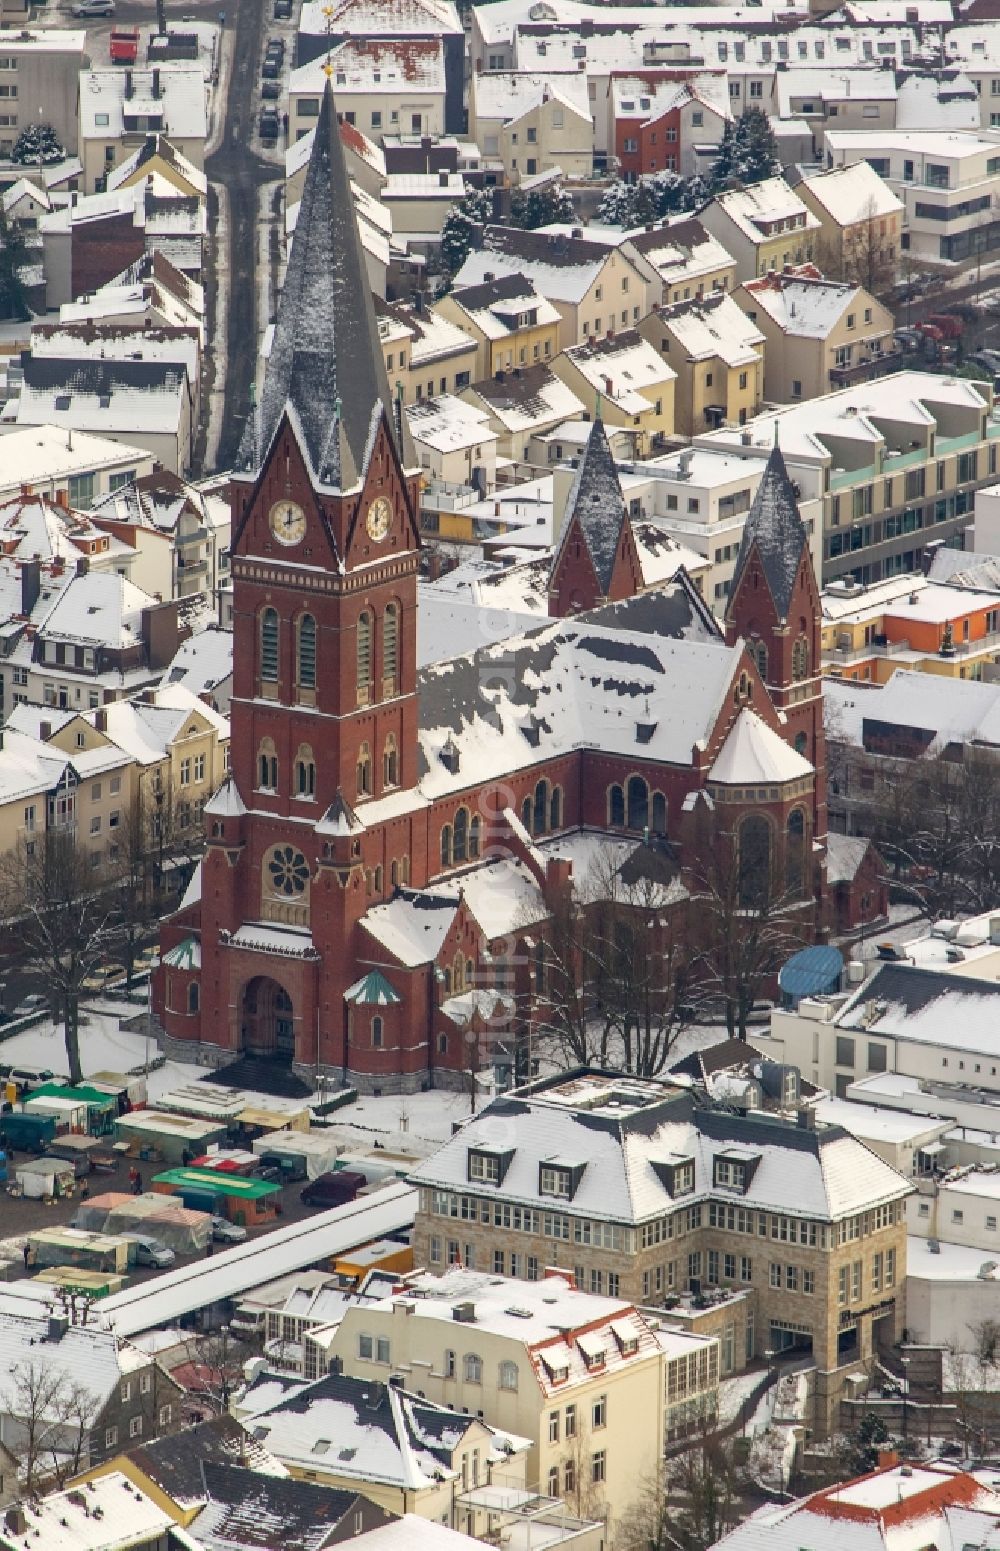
{"x": 597, "y": 504}
{"x": 326, "y": 366}
{"x": 778, "y": 531}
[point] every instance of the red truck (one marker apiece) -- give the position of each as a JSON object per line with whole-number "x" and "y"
{"x": 124, "y": 45}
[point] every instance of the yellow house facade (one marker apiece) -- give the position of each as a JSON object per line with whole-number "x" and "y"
{"x": 512, "y": 325}
{"x": 630, "y": 381}
{"x": 718, "y": 356}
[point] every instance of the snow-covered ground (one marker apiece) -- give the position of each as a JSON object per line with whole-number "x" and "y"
{"x": 104, "y": 1047}
{"x": 733, "y": 1392}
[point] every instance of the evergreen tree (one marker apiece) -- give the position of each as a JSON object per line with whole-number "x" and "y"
{"x": 541, "y": 207}
{"x": 463, "y": 228}
{"x": 37, "y": 146}
{"x": 748, "y": 152}
{"x": 617, "y": 205}
{"x": 12, "y": 255}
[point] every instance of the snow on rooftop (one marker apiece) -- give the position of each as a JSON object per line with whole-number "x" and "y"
{"x": 754, "y": 754}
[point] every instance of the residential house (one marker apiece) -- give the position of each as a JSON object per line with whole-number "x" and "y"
{"x": 835, "y": 98}
{"x": 151, "y": 292}
{"x": 764, "y": 227}
{"x": 688, "y": 259}
{"x": 511, "y": 323}
{"x": 861, "y": 224}
{"x": 119, "y": 109}
{"x": 88, "y": 341}
{"x": 322, "y": 27}
{"x": 895, "y": 1501}
{"x": 93, "y": 637}
{"x": 147, "y": 403}
{"x": 420, "y": 203}
{"x": 402, "y": 1451}
{"x": 911, "y": 623}
{"x": 41, "y": 70}
{"x": 274, "y": 1511}
{"x": 582, "y": 1376}
{"x": 456, "y": 444}
{"x": 124, "y": 1393}
{"x": 546, "y": 132}
{"x": 947, "y": 182}
{"x": 380, "y": 84}
{"x": 179, "y": 532}
{"x": 159, "y": 157}
{"x": 592, "y": 287}
{"x": 805, "y": 1225}
{"x": 522, "y": 404}
{"x": 67, "y": 465}
{"x": 204, "y": 665}
{"x": 24, "y": 204}
{"x": 424, "y": 354}
{"x": 33, "y": 527}
{"x": 552, "y": 104}
{"x": 820, "y": 334}
{"x": 88, "y": 243}
{"x": 109, "y": 1515}
{"x": 893, "y": 463}
{"x": 718, "y": 355}
{"x": 629, "y": 380}
{"x": 664, "y": 126}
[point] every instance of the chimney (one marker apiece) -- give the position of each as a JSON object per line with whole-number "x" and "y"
{"x": 161, "y": 633}
{"x": 888, "y": 1459}
{"x": 442, "y": 179}
{"x": 156, "y": 85}
{"x": 82, "y": 565}
{"x": 45, "y": 731}
{"x": 805, "y": 1119}
{"x": 31, "y": 584}
{"x": 101, "y": 719}
{"x": 609, "y": 387}
{"x": 128, "y": 86}
{"x": 16, "y": 1521}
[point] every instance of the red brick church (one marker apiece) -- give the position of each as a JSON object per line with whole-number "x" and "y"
{"x": 382, "y": 861}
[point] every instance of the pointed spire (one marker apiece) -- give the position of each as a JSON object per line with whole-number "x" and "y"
{"x": 326, "y": 365}
{"x": 597, "y": 504}
{"x": 776, "y": 528}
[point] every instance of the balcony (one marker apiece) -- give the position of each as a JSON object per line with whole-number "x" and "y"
{"x": 956, "y": 443}
{"x": 872, "y": 366}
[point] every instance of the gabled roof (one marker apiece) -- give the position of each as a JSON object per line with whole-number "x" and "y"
{"x": 776, "y": 529}
{"x": 596, "y": 506}
{"x": 325, "y": 367}
{"x": 250, "y": 1512}
{"x": 174, "y": 1463}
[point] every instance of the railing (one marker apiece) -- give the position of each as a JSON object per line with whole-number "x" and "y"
{"x": 894, "y": 461}
{"x": 844, "y": 477}
{"x": 953, "y": 443}
{"x": 842, "y": 654}
{"x": 863, "y": 371}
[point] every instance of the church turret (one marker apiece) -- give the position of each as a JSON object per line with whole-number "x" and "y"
{"x": 595, "y": 560}
{"x": 774, "y": 604}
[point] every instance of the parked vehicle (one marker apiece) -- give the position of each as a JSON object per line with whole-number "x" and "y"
{"x": 332, "y": 1189}
{"x": 282, "y": 10}
{"x": 94, "y": 8}
{"x": 226, "y": 1232}
{"x": 269, "y": 124}
{"x": 124, "y": 45}
{"x": 247, "y": 1324}
{"x": 270, "y": 90}
{"x": 946, "y": 323}
{"x": 271, "y": 68}
{"x": 146, "y": 1251}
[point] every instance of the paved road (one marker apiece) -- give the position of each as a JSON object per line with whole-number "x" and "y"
{"x": 240, "y": 172}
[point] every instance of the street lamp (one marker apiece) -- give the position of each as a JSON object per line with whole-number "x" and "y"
{"x": 905, "y": 1361}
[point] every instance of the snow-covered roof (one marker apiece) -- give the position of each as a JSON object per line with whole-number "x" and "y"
{"x": 43, "y": 455}
{"x": 158, "y": 146}
{"x": 507, "y": 94}
{"x": 619, "y": 368}
{"x": 383, "y": 67}
{"x": 411, "y": 1533}
{"x": 534, "y": 400}
{"x": 755, "y": 755}
{"x": 714, "y": 326}
{"x": 844, "y": 855}
{"x": 379, "y": 1435}
{"x": 413, "y": 925}
{"x": 203, "y": 661}
{"x": 620, "y": 1155}
{"x": 179, "y": 99}
{"x": 226, "y": 803}
{"x": 125, "y": 395}
{"x": 854, "y": 193}
{"x": 952, "y": 710}
{"x": 448, "y": 424}
{"x": 109, "y": 1513}
{"x": 681, "y": 249}
{"x": 496, "y": 306}
{"x": 560, "y": 268}
{"x": 921, "y": 142}
{"x": 924, "y": 1007}
{"x": 754, "y": 210}
{"x": 802, "y": 304}
{"x": 381, "y": 18}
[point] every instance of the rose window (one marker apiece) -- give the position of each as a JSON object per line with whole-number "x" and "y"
{"x": 289, "y": 871}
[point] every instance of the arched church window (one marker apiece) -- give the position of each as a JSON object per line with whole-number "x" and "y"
{"x": 390, "y": 762}
{"x": 390, "y": 648}
{"x": 616, "y": 807}
{"x": 305, "y": 772}
{"x": 638, "y": 803}
{"x": 446, "y": 845}
{"x": 460, "y": 838}
{"x": 306, "y": 659}
{"x": 758, "y": 652}
{"x": 267, "y": 766}
{"x": 269, "y": 646}
{"x": 364, "y": 771}
{"x": 364, "y": 664}
{"x": 800, "y": 659}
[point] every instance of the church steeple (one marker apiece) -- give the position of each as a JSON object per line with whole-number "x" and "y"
{"x": 325, "y": 368}
{"x": 595, "y": 558}
{"x": 776, "y": 529}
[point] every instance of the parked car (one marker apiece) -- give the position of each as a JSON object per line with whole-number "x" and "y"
{"x": 269, "y": 124}
{"x": 275, "y": 46}
{"x": 94, "y": 8}
{"x": 282, "y": 10}
{"x": 271, "y": 68}
{"x": 270, "y": 90}
{"x": 247, "y": 1324}
{"x": 225, "y": 1232}
{"x": 33, "y": 1002}
{"x": 334, "y": 1189}
{"x": 146, "y": 1251}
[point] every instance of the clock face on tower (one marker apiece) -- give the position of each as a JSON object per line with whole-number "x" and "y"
{"x": 378, "y": 519}
{"x": 288, "y": 522}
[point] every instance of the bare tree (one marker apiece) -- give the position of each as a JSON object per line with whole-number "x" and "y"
{"x": 690, "y": 1506}
{"x": 753, "y": 907}
{"x": 861, "y": 256}
{"x": 65, "y": 921}
{"x": 51, "y": 1418}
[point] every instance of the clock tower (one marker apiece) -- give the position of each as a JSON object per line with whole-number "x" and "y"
{"x": 325, "y": 551}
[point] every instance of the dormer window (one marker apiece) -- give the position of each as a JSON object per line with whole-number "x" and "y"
{"x": 560, "y": 1178}
{"x": 684, "y": 1179}
{"x": 488, "y": 1168}
{"x": 675, "y": 1173}
{"x": 734, "y": 1169}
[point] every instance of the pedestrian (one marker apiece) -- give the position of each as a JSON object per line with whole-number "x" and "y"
{"x": 137, "y": 1186}
{"x": 208, "y": 1249}
{"x": 31, "y": 1260}
{"x": 26, "y": 1252}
